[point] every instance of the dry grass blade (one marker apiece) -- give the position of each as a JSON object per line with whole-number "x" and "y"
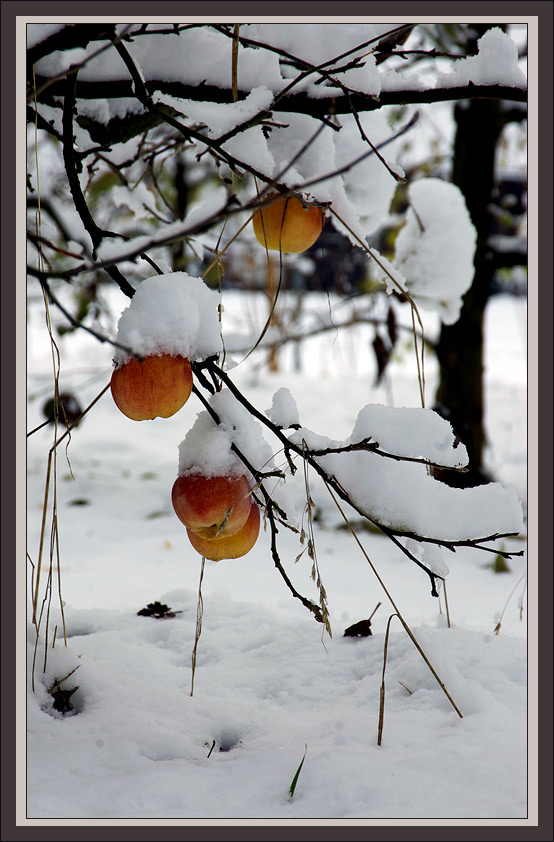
{"x": 198, "y": 632}
{"x": 382, "y": 690}
{"x": 51, "y": 471}
{"x": 446, "y": 604}
{"x": 270, "y": 285}
{"x": 499, "y": 624}
{"x": 309, "y": 508}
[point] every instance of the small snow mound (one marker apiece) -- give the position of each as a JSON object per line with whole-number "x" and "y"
{"x": 411, "y": 432}
{"x": 435, "y": 249}
{"x": 170, "y": 314}
{"x": 283, "y": 411}
{"x": 495, "y": 64}
{"x": 208, "y": 446}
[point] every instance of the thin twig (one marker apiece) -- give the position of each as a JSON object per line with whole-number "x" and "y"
{"x": 373, "y": 447}
{"x": 235, "y": 62}
{"x": 78, "y": 324}
{"x": 96, "y": 234}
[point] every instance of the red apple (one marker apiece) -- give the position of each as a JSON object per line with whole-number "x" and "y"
{"x": 156, "y": 386}
{"x": 286, "y": 225}
{"x": 212, "y": 507}
{"x": 231, "y": 546}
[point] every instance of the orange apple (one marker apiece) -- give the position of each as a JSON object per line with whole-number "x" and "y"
{"x": 286, "y": 225}
{"x": 231, "y": 546}
{"x": 157, "y": 386}
{"x": 212, "y": 507}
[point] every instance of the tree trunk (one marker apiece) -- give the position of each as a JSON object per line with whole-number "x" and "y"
{"x": 460, "y": 348}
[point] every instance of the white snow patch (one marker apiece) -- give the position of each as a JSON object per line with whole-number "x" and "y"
{"x": 402, "y": 495}
{"x": 368, "y": 185}
{"x": 495, "y": 64}
{"x": 219, "y": 118}
{"x": 436, "y": 246}
{"x": 207, "y": 447}
{"x": 411, "y": 432}
{"x": 283, "y": 410}
{"x": 170, "y": 314}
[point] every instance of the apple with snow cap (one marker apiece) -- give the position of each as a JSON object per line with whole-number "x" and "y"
{"x": 286, "y": 225}
{"x": 213, "y": 493}
{"x": 172, "y": 319}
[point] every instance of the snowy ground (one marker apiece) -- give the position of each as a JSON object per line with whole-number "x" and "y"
{"x": 268, "y": 683}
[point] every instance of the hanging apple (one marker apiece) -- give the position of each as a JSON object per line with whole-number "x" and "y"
{"x": 157, "y": 386}
{"x": 231, "y": 546}
{"x": 286, "y": 225}
{"x": 212, "y": 506}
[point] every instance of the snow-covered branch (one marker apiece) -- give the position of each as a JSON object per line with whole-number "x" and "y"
{"x": 299, "y": 103}
{"x": 346, "y": 487}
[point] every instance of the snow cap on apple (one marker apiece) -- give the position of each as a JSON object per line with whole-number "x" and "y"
{"x": 207, "y": 446}
{"x": 174, "y": 314}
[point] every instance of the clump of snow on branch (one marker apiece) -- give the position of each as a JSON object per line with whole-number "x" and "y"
{"x": 402, "y": 495}
{"x": 251, "y": 147}
{"x": 303, "y": 132}
{"x": 411, "y": 432}
{"x": 369, "y": 186}
{"x": 203, "y": 56}
{"x": 495, "y": 64}
{"x": 431, "y": 556}
{"x": 387, "y": 273}
{"x": 220, "y": 118}
{"x": 199, "y": 56}
{"x": 37, "y": 32}
{"x": 311, "y": 43}
{"x": 207, "y": 447}
{"x": 283, "y": 411}
{"x": 170, "y": 314}
{"x": 245, "y": 431}
{"x": 435, "y": 248}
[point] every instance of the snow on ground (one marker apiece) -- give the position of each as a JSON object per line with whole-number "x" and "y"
{"x": 269, "y": 684}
